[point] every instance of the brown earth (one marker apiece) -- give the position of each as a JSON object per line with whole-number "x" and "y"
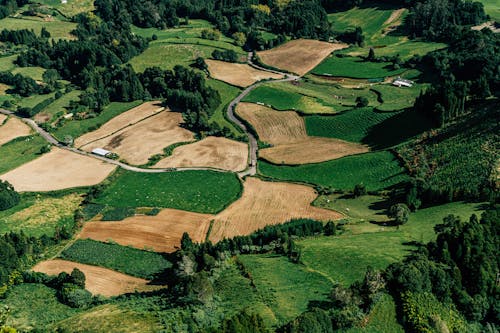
{"x": 213, "y": 152}
{"x": 57, "y": 170}
{"x": 267, "y": 203}
{"x": 2, "y": 118}
{"x": 162, "y": 232}
{"x": 286, "y": 132}
{"x": 299, "y": 56}
{"x": 127, "y": 118}
{"x": 12, "y": 129}
{"x": 98, "y": 280}
{"x": 145, "y": 138}
{"x": 241, "y": 75}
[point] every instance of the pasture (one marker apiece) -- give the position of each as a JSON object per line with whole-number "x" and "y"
{"x": 298, "y": 56}
{"x": 76, "y": 128}
{"x": 286, "y": 288}
{"x": 58, "y": 107}
{"x": 161, "y": 233}
{"x": 138, "y": 141}
{"x": 13, "y": 128}
{"x": 98, "y": 280}
{"x": 227, "y": 94}
{"x": 123, "y": 259}
{"x": 492, "y": 8}
{"x": 70, "y": 8}
{"x": 19, "y": 151}
{"x": 39, "y": 215}
{"x": 57, "y": 29}
{"x": 212, "y": 152}
{"x": 286, "y": 131}
{"x": 241, "y": 75}
{"x": 36, "y": 73}
{"x": 266, "y": 203}
{"x": 197, "y": 191}
{"x": 371, "y": 20}
{"x": 33, "y": 100}
{"x": 355, "y": 67}
{"x": 395, "y": 98}
{"x": 57, "y": 170}
{"x": 377, "y": 170}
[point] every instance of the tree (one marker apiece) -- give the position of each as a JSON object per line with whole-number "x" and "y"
{"x": 359, "y": 190}
{"x": 400, "y": 213}
{"x": 200, "y": 64}
{"x": 361, "y": 101}
{"x": 239, "y": 38}
{"x": 330, "y": 229}
{"x": 8, "y": 196}
{"x": 371, "y": 54}
{"x": 78, "y": 277}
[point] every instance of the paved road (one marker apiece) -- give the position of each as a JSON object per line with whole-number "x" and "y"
{"x": 253, "y": 146}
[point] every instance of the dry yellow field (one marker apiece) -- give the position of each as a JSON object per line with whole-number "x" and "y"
{"x": 286, "y": 132}
{"x": 2, "y": 118}
{"x": 162, "y": 232}
{"x": 98, "y": 280}
{"x": 241, "y": 75}
{"x": 125, "y": 119}
{"x": 300, "y": 55}
{"x": 138, "y": 142}
{"x": 267, "y": 203}
{"x": 213, "y": 152}
{"x": 12, "y": 129}
{"x": 57, "y": 170}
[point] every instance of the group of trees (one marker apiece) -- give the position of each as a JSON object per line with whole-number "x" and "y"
{"x": 22, "y": 36}
{"x": 8, "y": 196}
{"x": 21, "y": 85}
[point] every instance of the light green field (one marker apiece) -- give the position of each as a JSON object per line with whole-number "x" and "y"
{"x": 308, "y": 97}
{"x": 492, "y": 8}
{"x": 197, "y": 191}
{"x": 371, "y": 20}
{"x": 58, "y": 29}
{"x": 285, "y": 287}
{"x": 377, "y": 170}
{"x": 396, "y": 98}
{"x": 227, "y": 93}
{"x": 374, "y": 128}
{"x": 72, "y": 7}
{"x": 76, "y": 128}
{"x": 20, "y": 151}
{"x": 7, "y": 63}
{"x": 36, "y": 73}
{"x": 355, "y": 67}
{"x": 32, "y": 101}
{"x": 123, "y": 259}
{"x": 59, "y": 105}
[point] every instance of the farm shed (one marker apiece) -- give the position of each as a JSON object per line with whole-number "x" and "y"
{"x": 399, "y": 82}
{"x": 100, "y": 152}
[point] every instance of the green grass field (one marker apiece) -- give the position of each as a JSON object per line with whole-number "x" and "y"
{"x": 308, "y": 97}
{"x": 377, "y": 129}
{"x": 371, "y": 20}
{"x": 377, "y": 170}
{"x": 492, "y": 8}
{"x": 285, "y": 287}
{"x": 227, "y": 93}
{"x": 57, "y": 29}
{"x": 59, "y": 105}
{"x": 36, "y": 73}
{"x": 32, "y": 101}
{"x": 7, "y": 62}
{"x": 19, "y": 151}
{"x": 197, "y": 191}
{"x": 123, "y": 259}
{"x": 355, "y": 67}
{"x": 76, "y": 128}
{"x": 71, "y": 8}
{"x": 396, "y": 98}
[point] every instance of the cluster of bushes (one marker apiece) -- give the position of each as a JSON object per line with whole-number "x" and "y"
{"x": 8, "y": 196}
{"x": 21, "y": 85}
{"x": 22, "y": 36}
{"x": 226, "y": 55}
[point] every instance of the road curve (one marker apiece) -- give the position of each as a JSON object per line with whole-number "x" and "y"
{"x": 253, "y": 146}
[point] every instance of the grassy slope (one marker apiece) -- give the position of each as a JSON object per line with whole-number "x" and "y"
{"x": 285, "y": 287}
{"x": 32, "y": 101}
{"x": 77, "y": 128}
{"x": 120, "y": 258}
{"x": 60, "y": 105}
{"x": 227, "y": 93}
{"x": 58, "y": 29}
{"x": 492, "y": 8}
{"x": 197, "y": 191}
{"x": 354, "y": 67}
{"x": 377, "y": 170}
{"x": 396, "y": 98}
{"x": 19, "y": 151}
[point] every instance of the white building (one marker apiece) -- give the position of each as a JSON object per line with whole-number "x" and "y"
{"x": 100, "y": 152}
{"x": 399, "y": 82}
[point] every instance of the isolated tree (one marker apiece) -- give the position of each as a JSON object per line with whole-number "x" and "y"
{"x": 78, "y": 277}
{"x": 239, "y": 38}
{"x": 400, "y": 213}
{"x": 330, "y": 229}
{"x": 361, "y": 101}
{"x": 200, "y": 64}
{"x": 8, "y": 196}
{"x": 359, "y": 190}
{"x": 371, "y": 54}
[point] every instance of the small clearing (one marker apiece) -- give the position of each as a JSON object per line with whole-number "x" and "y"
{"x": 490, "y": 25}
{"x": 98, "y": 280}
{"x": 241, "y": 75}
{"x": 211, "y": 152}
{"x": 12, "y": 129}
{"x": 127, "y": 118}
{"x": 162, "y": 232}
{"x": 267, "y": 203}
{"x": 299, "y": 56}
{"x": 286, "y": 132}
{"x": 57, "y": 170}
{"x": 136, "y": 143}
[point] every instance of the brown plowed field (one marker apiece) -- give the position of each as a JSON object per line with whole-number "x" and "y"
{"x": 162, "y": 232}
{"x": 213, "y": 152}
{"x": 241, "y": 75}
{"x": 125, "y": 119}
{"x": 58, "y": 170}
{"x": 300, "y": 55}
{"x": 286, "y": 131}
{"x": 148, "y": 137}
{"x": 266, "y": 203}
{"x": 98, "y": 280}
{"x": 12, "y": 129}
